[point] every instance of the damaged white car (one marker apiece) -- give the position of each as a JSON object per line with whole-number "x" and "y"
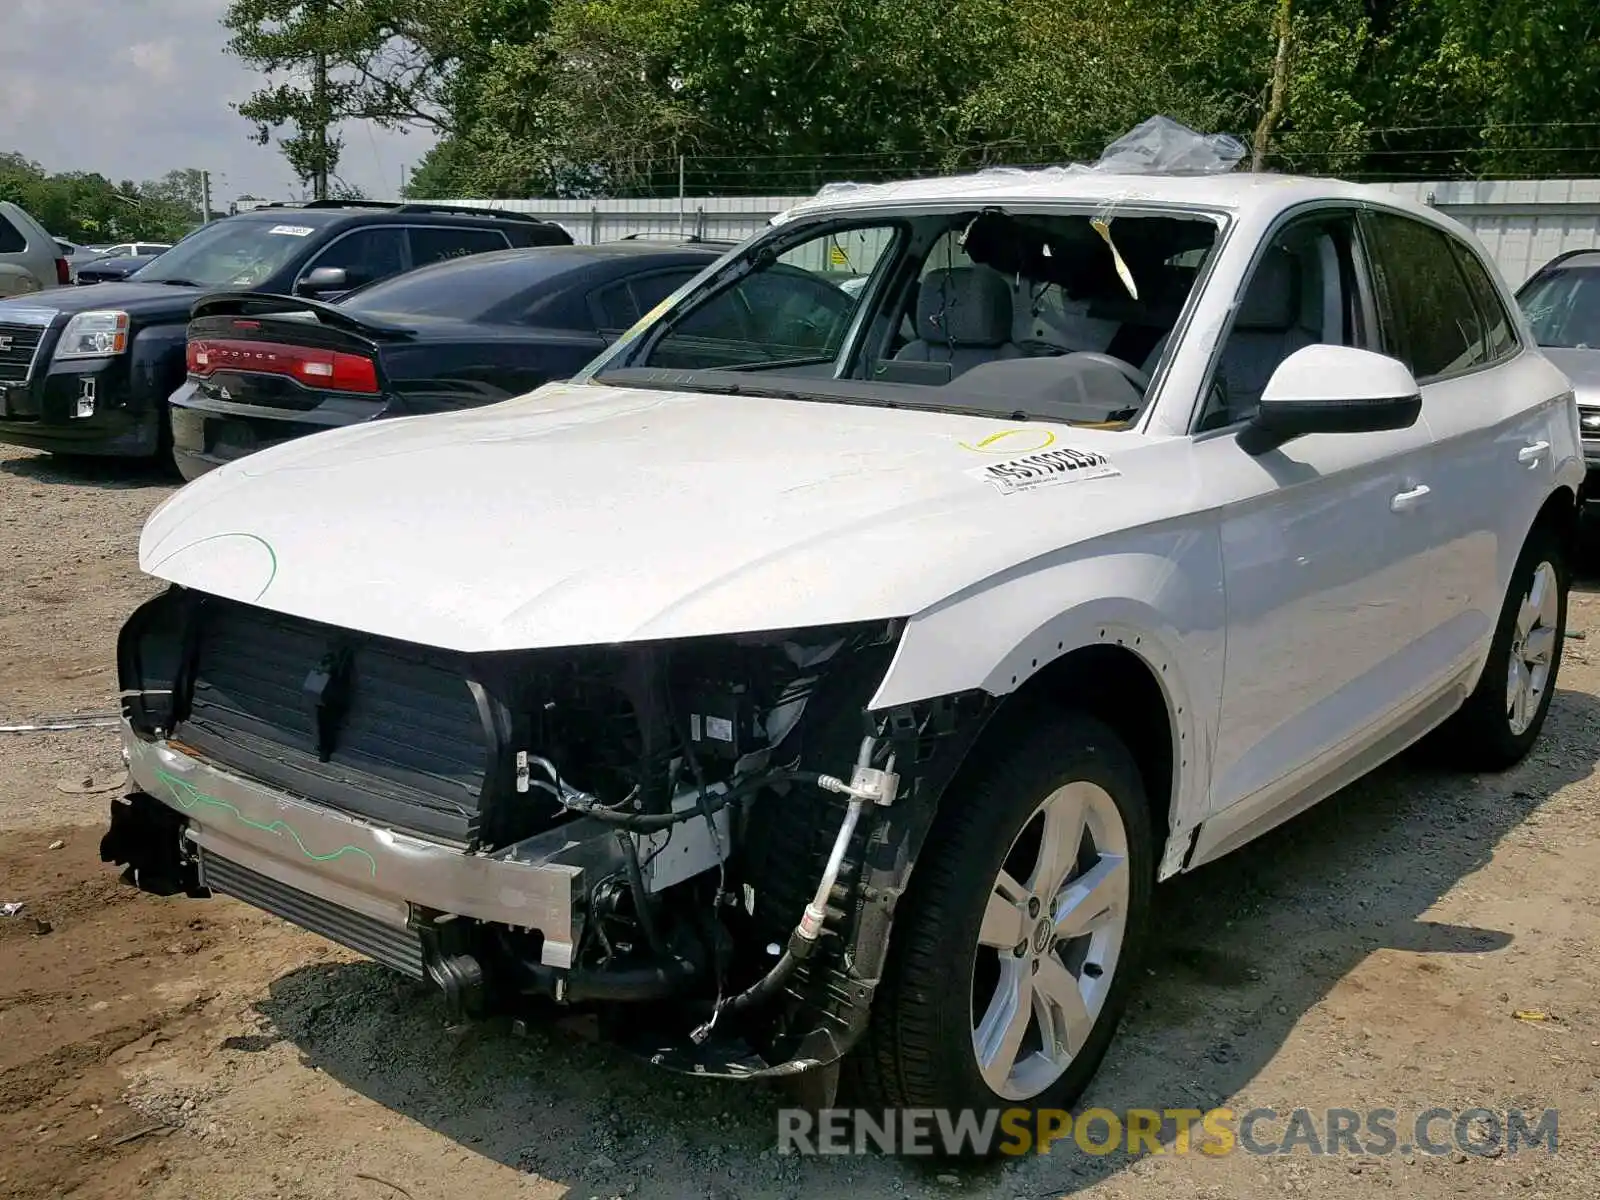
{"x": 831, "y": 675}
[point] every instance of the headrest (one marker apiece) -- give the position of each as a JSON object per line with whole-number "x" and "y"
{"x": 1271, "y": 300}
{"x": 964, "y": 306}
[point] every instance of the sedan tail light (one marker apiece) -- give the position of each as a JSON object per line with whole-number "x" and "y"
{"x": 325, "y": 370}
{"x": 63, "y": 272}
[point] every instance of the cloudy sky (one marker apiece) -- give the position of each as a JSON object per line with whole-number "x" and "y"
{"x": 136, "y": 88}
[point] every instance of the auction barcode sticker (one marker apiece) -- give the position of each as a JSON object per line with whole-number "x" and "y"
{"x": 1046, "y": 468}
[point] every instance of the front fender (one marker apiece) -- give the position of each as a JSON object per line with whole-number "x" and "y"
{"x": 155, "y": 367}
{"x": 1156, "y": 592}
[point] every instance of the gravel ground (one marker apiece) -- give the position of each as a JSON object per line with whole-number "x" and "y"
{"x": 1371, "y": 954}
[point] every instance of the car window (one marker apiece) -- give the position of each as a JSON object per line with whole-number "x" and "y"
{"x": 651, "y": 290}
{"x": 1433, "y": 322}
{"x": 788, "y": 310}
{"x": 1499, "y": 330}
{"x": 469, "y": 291}
{"x": 614, "y": 305}
{"x": 365, "y": 255}
{"x": 1304, "y": 290}
{"x": 11, "y": 239}
{"x": 443, "y": 241}
{"x": 1563, "y": 307}
{"x": 934, "y": 309}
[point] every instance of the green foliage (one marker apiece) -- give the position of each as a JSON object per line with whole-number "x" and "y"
{"x": 90, "y": 208}
{"x": 582, "y": 97}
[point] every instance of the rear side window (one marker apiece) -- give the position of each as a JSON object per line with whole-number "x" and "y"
{"x": 614, "y": 306}
{"x": 651, "y": 290}
{"x": 11, "y": 239}
{"x": 619, "y": 305}
{"x": 1432, "y": 317}
{"x": 439, "y": 242}
{"x": 1499, "y": 332}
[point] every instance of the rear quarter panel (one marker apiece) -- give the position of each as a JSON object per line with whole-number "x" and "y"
{"x": 427, "y": 376}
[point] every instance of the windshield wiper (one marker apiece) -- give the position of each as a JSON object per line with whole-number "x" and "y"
{"x": 171, "y": 282}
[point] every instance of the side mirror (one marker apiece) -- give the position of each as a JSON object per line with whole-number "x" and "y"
{"x": 1334, "y": 389}
{"x": 323, "y": 279}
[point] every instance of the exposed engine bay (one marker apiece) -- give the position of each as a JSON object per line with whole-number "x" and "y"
{"x": 718, "y": 826}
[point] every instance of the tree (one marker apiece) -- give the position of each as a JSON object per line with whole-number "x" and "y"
{"x": 585, "y": 97}
{"x": 387, "y": 61}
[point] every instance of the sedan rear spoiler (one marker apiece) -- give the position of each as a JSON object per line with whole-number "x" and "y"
{"x": 271, "y": 304}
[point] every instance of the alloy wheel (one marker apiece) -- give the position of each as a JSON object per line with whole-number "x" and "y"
{"x": 1533, "y": 648}
{"x": 1051, "y": 936}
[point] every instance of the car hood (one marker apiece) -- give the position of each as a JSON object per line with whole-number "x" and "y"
{"x": 583, "y": 514}
{"x": 157, "y": 301}
{"x": 1583, "y": 368}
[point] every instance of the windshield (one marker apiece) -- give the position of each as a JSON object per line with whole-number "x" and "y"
{"x": 1057, "y": 315}
{"x": 1563, "y": 308}
{"x": 229, "y": 254}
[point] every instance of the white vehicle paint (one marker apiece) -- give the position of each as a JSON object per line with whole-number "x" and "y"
{"x": 1307, "y": 598}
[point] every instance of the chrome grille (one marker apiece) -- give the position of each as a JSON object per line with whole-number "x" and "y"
{"x": 19, "y": 346}
{"x": 400, "y": 949}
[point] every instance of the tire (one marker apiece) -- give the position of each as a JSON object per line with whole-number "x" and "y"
{"x": 1490, "y": 733}
{"x": 921, "y": 1050}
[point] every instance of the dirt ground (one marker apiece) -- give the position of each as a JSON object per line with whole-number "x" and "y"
{"x": 1371, "y": 954}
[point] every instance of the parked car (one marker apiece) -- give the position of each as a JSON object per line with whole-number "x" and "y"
{"x": 801, "y": 681}
{"x": 1562, "y": 303}
{"x": 30, "y": 260}
{"x": 112, "y": 268}
{"x": 89, "y": 370}
{"x": 456, "y": 334}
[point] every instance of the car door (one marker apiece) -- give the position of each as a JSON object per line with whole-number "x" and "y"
{"x": 1319, "y": 539}
{"x": 365, "y": 255}
{"x": 1488, "y": 408}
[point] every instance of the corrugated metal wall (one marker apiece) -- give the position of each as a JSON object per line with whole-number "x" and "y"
{"x": 1522, "y": 224}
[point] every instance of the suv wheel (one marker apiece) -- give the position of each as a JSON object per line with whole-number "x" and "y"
{"x": 1500, "y": 721}
{"x": 1018, "y": 939}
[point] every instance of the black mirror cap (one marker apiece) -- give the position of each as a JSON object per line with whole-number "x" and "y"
{"x": 1276, "y": 422}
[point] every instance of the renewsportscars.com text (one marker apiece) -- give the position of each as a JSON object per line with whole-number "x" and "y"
{"x": 1179, "y": 1131}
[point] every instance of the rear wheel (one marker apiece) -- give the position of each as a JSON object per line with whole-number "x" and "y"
{"x": 1501, "y": 720}
{"x": 1016, "y": 944}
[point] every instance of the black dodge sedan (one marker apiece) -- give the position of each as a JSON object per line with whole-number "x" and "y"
{"x": 456, "y": 334}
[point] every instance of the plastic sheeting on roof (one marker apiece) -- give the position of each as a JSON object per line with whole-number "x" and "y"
{"x": 1158, "y": 146}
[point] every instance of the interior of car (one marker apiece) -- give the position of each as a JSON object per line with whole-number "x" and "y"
{"x": 1057, "y": 315}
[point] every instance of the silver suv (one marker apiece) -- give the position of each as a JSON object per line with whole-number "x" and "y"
{"x": 30, "y": 259}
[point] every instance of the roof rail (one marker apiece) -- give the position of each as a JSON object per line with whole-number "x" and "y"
{"x": 675, "y": 237}
{"x": 468, "y": 210}
{"x": 415, "y": 206}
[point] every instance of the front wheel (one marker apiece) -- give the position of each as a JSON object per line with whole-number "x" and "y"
{"x": 1017, "y": 941}
{"x": 1500, "y": 721}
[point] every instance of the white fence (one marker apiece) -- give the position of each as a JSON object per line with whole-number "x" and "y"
{"x": 1521, "y": 223}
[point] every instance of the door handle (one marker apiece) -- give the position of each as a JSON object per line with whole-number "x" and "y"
{"x": 1405, "y": 501}
{"x": 1530, "y": 455}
